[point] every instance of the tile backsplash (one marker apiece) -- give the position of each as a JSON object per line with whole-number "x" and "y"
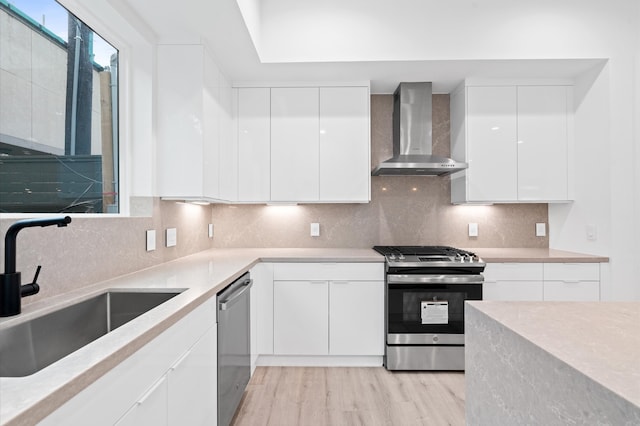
{"x": 404, "y": 210}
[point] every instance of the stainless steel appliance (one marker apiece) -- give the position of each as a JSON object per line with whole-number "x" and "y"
{"x": 424, "y": 305}
{"x": 234, "y": 358}
{"x": 412, "y": 136}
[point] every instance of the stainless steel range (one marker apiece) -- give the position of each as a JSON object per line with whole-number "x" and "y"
{"x": 426, "y": 287}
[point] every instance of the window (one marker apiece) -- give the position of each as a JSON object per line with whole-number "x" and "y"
{"x": 58, "y": 112}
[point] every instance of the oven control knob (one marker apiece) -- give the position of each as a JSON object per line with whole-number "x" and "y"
{"x": 435, "y": 339}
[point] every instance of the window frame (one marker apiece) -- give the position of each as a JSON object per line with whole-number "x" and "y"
{"x": 124, "y": 54}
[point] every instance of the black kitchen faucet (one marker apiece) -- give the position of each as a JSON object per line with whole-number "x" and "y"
{"x": 11, "y": 289}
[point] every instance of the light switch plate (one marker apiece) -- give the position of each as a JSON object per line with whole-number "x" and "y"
{"x": 172, "y": 237}
{"x": 151, "y": 240}
{"x": 541, "y": 229}
{"x": 315, "y": 229}
{"x": 473, "y": 229}
{"x": 592, "y": 232}
{"x": 210, "y": 230}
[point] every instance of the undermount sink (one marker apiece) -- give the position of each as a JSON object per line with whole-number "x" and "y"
{"x": 30, "y": 346}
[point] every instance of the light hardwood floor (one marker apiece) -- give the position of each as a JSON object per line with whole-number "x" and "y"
{"x": 318, "y": 396}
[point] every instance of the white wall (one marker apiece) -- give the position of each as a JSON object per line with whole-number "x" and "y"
{"x": 437, "y": 30}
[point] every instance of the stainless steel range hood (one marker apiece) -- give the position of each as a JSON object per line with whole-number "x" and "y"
{"x": 412, "y": 137}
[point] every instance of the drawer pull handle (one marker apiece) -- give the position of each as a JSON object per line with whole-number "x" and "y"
{"x": 148, "y": 393}
{"x": 180, "y": 361}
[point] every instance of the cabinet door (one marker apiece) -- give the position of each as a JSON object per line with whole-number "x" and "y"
{"x": 300, "y": 317}
{"x": 572, "y": 291}
{"x": 228, "y": 165}
{"x": 210, "y": 128}
{"x": 261, "y": 311}
{"x": 356, "y": 318}
{"x": 542, "y": 143}
{"x": 295, "y": 144}
{"x": 180, "y": 115}
{"x": 513, "y": 290}
{"x": 192, "y": 383}
{"x": 492, "y": 148}
{"x": 254, "y": 144}
{"x": 151, "y": 407}
{"x": 344, "y": 144}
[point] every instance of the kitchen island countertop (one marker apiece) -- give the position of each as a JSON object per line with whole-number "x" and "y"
{"x": 553, "y": 362}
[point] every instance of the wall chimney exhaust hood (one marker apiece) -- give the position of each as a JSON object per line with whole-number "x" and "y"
{"x": 412, "y": 137}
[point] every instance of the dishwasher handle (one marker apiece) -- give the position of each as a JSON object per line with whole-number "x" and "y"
{"x": 225, "y": 304}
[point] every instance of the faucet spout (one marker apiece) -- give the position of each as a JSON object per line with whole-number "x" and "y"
{"x": 12, "y": 235}
{"x": 11, "y": 288}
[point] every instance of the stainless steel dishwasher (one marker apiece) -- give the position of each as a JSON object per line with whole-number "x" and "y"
{"x": 234, "y": 358}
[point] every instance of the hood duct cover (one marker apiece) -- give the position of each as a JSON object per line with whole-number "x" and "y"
{"x": 412, "y": 137}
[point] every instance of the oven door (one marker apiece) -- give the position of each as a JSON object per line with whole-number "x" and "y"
{"x": 429, "y": 309}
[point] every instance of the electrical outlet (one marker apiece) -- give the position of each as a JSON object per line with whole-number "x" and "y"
{"x": 210, "y": 230}
{"x": 171, "y": 237}
{"x": 473, "y": 229}
{"x": 151, "y": 240}
{"x": 541, "y": 229}
{"x": 315, "y": 229}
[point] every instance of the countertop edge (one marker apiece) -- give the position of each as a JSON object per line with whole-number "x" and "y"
{"x": 553, "y": 352}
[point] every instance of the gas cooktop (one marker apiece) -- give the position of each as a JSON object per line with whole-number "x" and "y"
{"x": 431, "y": 256}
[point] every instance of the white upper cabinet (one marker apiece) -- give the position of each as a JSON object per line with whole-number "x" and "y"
{"x": 194, "y": 122}
{"x": 344, "y": 144}
{"x": 303, "y": 144}
{"x": 516, "y": 139}
{"x": 492, "y": 132}
{"x": 295, "y": 153}
{"x": 254, "y": 144}
{"x": 543, "y": 135}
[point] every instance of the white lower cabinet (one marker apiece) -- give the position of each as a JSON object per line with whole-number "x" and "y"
{"x": 192, "y": 383}
{"x": 261, "y": 311}
{"x": 579, "y": 282}
{"x": 151, "y": 408}
{"x": 169, "y": 381}
{"x": 572, "y": 291}
{"x": 513, "y": 281}
{"x": 300, "y": 317}
{"x": 513, "y": 290}
{"x": 328, "y": 309}
{"x": 542, "y": 281}
{"x": 356, "y": 320}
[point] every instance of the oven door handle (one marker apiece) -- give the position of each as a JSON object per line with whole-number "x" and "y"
{"x": 393, "y": 279}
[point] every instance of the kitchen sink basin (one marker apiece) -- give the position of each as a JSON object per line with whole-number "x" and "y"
{"x": 32, "y": 345}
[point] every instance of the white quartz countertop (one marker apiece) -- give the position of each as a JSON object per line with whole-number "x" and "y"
{"x": 601, "y": 340}
{"x": 26, "y": 400}
{"x": 535, "y": 255}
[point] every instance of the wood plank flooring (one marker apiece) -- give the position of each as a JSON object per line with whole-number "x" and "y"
{"x": 318, "y": 396}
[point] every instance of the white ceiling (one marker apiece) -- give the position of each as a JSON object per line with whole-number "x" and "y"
{"x": 355, "y": 40}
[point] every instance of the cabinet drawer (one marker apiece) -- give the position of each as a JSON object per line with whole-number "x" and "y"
{"x": 579, "y": 291}
{"x": 572, "y": 272}
{"x": 513, "y": 272}
{"x": 513, "y": 290}
{"x": 328, "y": 271}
